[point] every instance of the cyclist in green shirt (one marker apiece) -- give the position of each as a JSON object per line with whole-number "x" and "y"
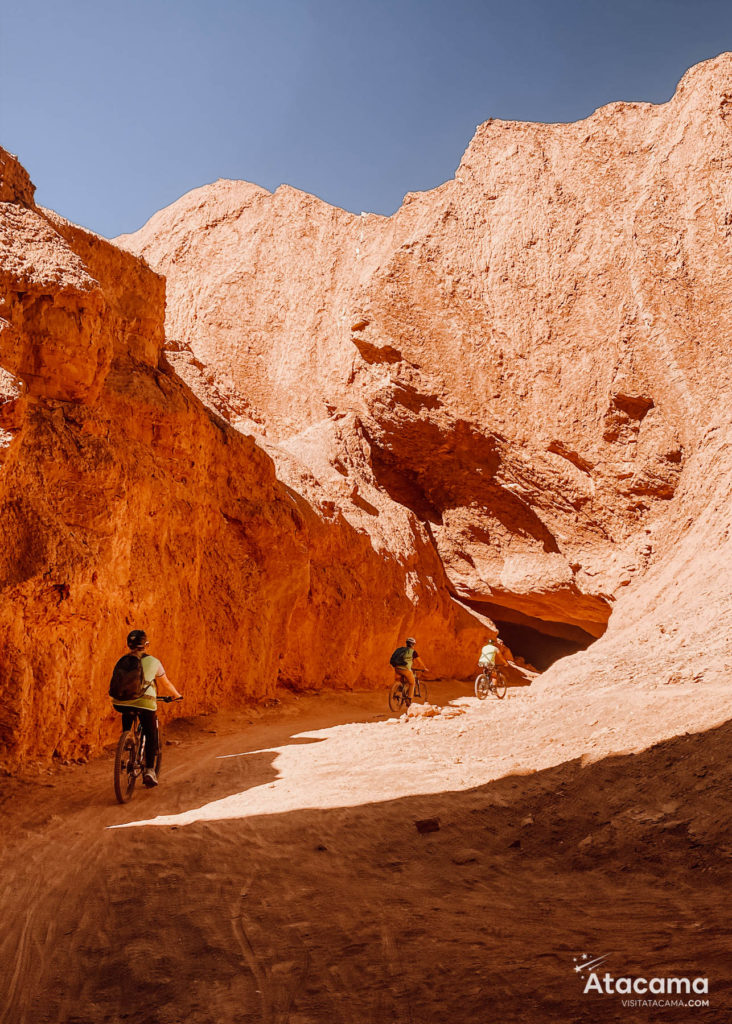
{"x": 404, "y": 659}
{"x": 146, "y": 705}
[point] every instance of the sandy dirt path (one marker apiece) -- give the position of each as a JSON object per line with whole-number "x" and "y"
{"x": 276, "y": 874}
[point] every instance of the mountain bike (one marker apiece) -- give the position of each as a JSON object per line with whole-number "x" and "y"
{"x": 398, "y": 694}
{"x": 129, "y": 759}
{"x": 491, "y": 680}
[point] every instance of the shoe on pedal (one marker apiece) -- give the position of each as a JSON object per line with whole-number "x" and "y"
{"x": 149, "y": 778}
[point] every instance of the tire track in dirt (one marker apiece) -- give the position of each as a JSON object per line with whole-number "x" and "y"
{"x": 280, "y": 967}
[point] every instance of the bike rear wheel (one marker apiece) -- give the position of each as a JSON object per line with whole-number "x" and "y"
{"x": 498, "y": 684}
{"x": 482, "y": 686}
{"x": 125, "y": 767}
{"x": 398, "y": 700}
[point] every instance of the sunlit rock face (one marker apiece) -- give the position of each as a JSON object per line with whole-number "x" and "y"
{"x": 532, "y": 360}
{"x": 125, "y": 502}
{"x": 514, "y": 392}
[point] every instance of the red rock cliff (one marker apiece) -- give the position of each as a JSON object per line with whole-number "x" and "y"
{"x": 533, "y": 359}
{"x": 125, "y": 501}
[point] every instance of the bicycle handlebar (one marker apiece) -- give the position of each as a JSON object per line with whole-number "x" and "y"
{"x": 169, "y": 700}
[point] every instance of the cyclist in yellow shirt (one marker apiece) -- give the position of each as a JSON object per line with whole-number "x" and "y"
{"x": 145, "y": 704}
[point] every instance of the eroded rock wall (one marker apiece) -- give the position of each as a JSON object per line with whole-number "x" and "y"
{"x": 126, "y": 502}
{"x": 516, "y": 390}
{"x": 531, "y": 358}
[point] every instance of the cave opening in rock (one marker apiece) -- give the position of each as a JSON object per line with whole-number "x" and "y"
{"x": 538, "y": 648}
{"x": 540, "y": 642}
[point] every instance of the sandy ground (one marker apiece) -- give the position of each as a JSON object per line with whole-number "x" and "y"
{"x": 277, "y": 875}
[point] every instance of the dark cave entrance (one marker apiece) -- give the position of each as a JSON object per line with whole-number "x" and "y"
{"x": 540, "y": 642}
{"x": 540, "y": 649}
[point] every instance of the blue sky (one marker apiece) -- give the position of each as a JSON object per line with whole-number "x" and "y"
{"x": 117, "y": 108}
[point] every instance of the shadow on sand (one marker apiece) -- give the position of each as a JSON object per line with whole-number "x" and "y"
{"x": 349, "y": 914}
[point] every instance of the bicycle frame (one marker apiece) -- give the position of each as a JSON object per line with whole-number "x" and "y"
{"x": 400, "y": 687}
{"x": 491, "y": 680}
{"x": 399, "y": 678}
{"x": 130, "y": 756}
{"x": 139, "y": 735}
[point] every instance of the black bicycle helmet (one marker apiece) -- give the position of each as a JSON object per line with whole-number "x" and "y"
{"x": 136, "y": 639}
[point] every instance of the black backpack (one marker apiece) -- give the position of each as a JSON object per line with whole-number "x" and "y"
{"x": 399, "y": 657}
{"x": 128, "y": 679}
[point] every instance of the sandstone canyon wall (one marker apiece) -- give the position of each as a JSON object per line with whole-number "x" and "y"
{"x": 532, "y": 361}
{"x": 510, "y": 399}
{"x": 125, "y": 501}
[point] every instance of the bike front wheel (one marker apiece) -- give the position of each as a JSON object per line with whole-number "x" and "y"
{"x": 498, "y": 685}
{"x": 420, "y": 693}
{"x": 482, "y": 686}
{"x": 398, "y": 700}
{"x": 125, "y": 764}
